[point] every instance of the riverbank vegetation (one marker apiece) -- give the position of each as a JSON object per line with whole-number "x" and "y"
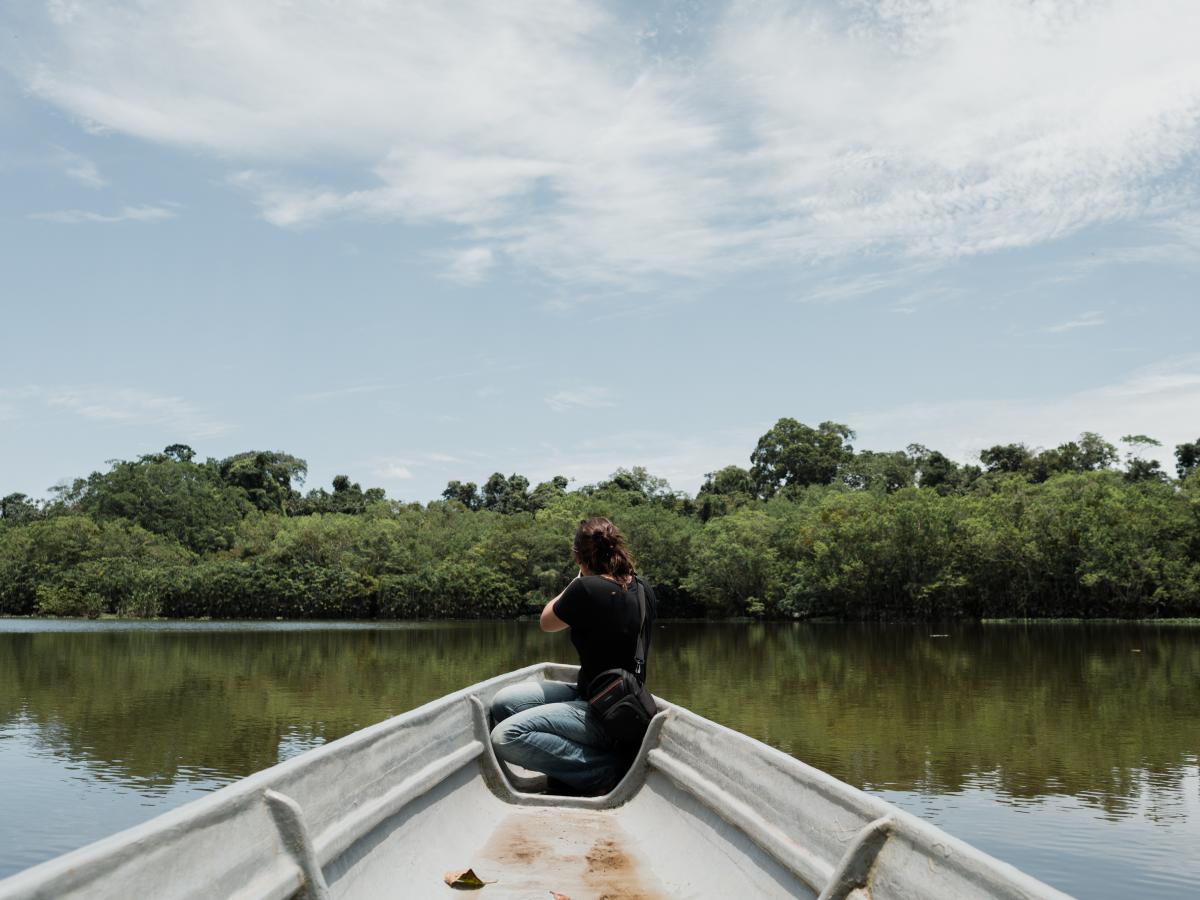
{"x": 811, "y": 528}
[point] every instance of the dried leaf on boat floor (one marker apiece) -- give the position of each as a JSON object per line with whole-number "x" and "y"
{"x": 464, "y": 880}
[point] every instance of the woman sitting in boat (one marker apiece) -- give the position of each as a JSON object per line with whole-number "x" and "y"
{"x": 549, "y": 726}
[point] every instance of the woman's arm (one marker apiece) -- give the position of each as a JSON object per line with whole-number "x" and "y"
{"x": 549, "y": 621}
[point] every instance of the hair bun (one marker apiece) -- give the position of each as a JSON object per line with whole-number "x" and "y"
{"x": 600, "y": 546}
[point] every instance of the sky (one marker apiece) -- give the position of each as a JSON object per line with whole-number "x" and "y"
{"x": 429, "y": 241}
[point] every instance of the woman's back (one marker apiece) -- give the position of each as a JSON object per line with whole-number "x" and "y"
{"x": 605, "y": 619}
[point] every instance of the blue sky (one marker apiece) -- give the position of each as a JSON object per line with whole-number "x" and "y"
{"x": 416, "y": 242}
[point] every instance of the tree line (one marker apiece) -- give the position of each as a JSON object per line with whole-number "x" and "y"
{"x": 811, "y": 528}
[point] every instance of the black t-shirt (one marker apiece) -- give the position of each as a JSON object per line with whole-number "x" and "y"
{"x": 604, "y": 620}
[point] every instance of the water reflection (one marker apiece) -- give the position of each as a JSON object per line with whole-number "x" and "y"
{"x": 153, "y": 706}
{"x": 1028, "y": 711}
{"x": 1074, "y": 721}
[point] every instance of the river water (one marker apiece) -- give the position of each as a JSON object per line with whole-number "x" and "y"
{"x": 1070, "y": 751}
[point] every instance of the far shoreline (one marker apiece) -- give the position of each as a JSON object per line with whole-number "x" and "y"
{"x": 109, "y": 618}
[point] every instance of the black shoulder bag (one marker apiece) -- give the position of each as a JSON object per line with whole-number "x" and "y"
{"x": 619, "y": 698}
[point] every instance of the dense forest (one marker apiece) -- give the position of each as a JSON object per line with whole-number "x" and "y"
{"x": 810, "y": 529}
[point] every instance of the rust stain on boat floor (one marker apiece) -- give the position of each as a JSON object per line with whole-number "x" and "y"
{"x": 583, "y": 854}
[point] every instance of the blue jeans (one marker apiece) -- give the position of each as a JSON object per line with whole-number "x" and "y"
{"x": 545, "y": 726}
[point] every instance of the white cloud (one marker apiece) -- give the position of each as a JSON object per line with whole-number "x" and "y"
{"x": 391, "y": 470}
{"x": 941, "y": 129}
{"x": 580, "y": 398}
{"x": 80, "y": 168}
{"x": 840, "y": 288}
{"x": 1160, "y": 400}
{"x": 119, "y": 406}
{"x": 1089, "y": 319}
{"x": 547, "y": 133}
{"x": 125, "y": 214}
{"x": 470, "y": 266}
{"x": 401, "y": 468}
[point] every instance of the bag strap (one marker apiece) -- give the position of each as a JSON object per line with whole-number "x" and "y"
{"x": 639, "y": 652}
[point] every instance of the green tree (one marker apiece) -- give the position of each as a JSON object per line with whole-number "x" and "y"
{"x": 73, "y": 565}
{"x": 723, "y": 491}
{"x": 1006, "y": 458}
{"x": 466, "y": 493}
{"x": 874, "y": 556}
{"x": 733, "y": 567}
{"x": 661, "y": 539}
{"x": 506, "y": 495}
{"x": 1137, "y": 467}
{"x": 937, "y": 471}
{"x": 1187, "y": 458}
{"x": 1091, "y": 453}
{"x": 548, "y": 491}
{"x": 793, "y": 453}
{"x": 17, "y": 509}
{"x": 179, "y": 452}
{"x": 164, "y": 495}
{"x": 731, "y": 480}
{"x": 635, "y": 485}
{"x": 265, "y": 477}
{"x": 885, "y": 472}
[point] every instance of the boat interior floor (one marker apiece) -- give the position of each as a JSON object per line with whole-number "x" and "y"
{"x": 573, "y": 852}
{"x": 660, "y": 844}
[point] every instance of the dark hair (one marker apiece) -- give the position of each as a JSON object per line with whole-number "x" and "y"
{"x": 601, "y": 547}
